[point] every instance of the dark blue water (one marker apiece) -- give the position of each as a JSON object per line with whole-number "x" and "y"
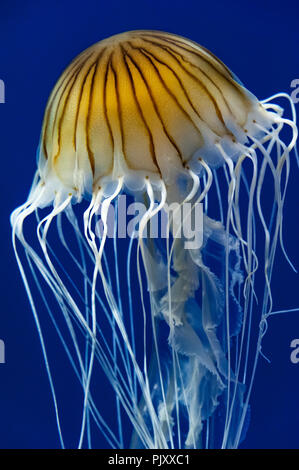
{"x": 259, "y": 42}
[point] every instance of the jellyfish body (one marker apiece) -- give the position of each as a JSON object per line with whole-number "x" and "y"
{"x": 159, "y": 117}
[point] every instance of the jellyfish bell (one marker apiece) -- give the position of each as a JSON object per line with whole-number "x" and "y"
{"x": 159, "y": 117}
{"x": 155, "y": 100}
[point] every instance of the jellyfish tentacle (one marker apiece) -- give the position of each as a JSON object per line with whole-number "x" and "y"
{"x": 86, "y": 388}
{"x": 284, "y": 160}
{"x": 233, "y": 211}
{"x": 230, "y": 407}
{"x": 271, "y": 244}
{"x": 165, "y": 408}
{"x": 44, "y": 225}
{"x": 94, "y": 331}
{"x": 171, "y": 318}
{"x": 132, "y": 329}
{"x": 89, "y": 282}
{"x": 103, "y": 360}
{"x": 250, "y": 268}
{"x": 120, "y": 427}
{"x": 171, "y": 289}
{"x": 88, "y": 218}
{"x": 102, "y": 425}
{"x": 17, "y": 220}
{"x": 121, "y": 327}
{"x": 151, "y": 211}
{"x": 231, "y": 193}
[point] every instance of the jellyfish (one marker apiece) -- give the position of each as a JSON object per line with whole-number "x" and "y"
{"x": 169, "y": 325}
